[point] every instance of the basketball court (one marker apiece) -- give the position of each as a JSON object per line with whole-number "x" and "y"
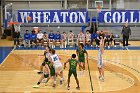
{"x": 19, "y": 65}
{"x": 18, "y": 73}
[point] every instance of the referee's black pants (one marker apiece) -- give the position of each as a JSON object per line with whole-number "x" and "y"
{"x": 125, "y": 40}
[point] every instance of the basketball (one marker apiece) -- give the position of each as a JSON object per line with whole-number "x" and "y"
{"x": 29, "y": 18}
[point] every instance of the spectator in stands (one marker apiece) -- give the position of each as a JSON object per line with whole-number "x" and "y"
{"x": 16, "y": 36}
{"x": 40, "y": 37}
{"x": 33, "y": 38}
{"x": 45, "y": 37}
{"x": 58, "y": 39}
{"x": 64, "y": 39}
{"x": 88, "y": 38}
{"x": 102, "y": 35}
{"x": 107, "y": 40}
{"x": 70, "y": 38}
{"x": 26, "y": 39}
{"x": 126, "y": 31}
{"x": 111, "y": 39}
{"x": 81, "y": 38}
{"x": 94, "y": 38}
{"x": 51, "y": 37}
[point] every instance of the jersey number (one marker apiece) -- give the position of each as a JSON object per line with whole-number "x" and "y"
{"x": 73, "y": 63}
{"x": 55, "y": 58}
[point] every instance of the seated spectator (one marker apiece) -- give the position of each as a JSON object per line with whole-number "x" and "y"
{"x": 58, "y": 39}
{"x": 33, "y": 38}
{"x": 81, "y": 38}
{"x": 40, "y": 38}
{"x": 64, "y": 39}
{"x": 94, "y": 39}
{"x": 51, "y": 37}
{"x": 110, "y": 39}
{"x": 70, "y": 38}
{"x": 115, "y": 39}
{"x": 88, "y": 37}
{"x": 45, "y": 38}
{"x": 101, "y": 35}
{"x": 26, "y": 39}
{"x": 16, "y": 37}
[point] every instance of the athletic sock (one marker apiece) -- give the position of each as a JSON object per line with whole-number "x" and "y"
{"x": 61, "y": 79}
{"x": 54, "y": 82}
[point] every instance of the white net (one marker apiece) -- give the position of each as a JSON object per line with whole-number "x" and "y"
{"x": 17, "y": 27}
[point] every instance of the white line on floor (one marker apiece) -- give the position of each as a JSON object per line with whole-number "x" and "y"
{"x": 98, "y": 81}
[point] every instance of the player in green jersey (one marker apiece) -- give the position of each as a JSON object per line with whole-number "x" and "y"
{"x": 46, "y": 74}
{"x": 48, "y": 70}
{"x": 46, "y": 55}
{"x": 81, "y": 55}
{"x": 72, "y": 70}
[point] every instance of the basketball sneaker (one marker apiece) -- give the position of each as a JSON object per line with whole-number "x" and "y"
{"x": 40, "y": 72}
{"x": 78, "y": 88}
{"x": 36, "y": 86}
{"x": 54, "y": 85}
{"x": 68, "y": 88}
{"x": 102, "y": 78}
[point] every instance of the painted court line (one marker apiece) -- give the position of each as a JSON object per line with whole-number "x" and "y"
{"x": 27, "y": 91}
{"x": 127, "y": 48}
{"x": 98, "y": 81}
{"x": 7, "y": 56}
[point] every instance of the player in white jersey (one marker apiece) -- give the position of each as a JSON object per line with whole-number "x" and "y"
{"x": 81, "y": 38}
{"x": 55, "y": 60}
{"x": 88, "y": 37}
{"x": 100, "y": 59}
{"x": 64, "y": 39}
{"x": 70, "y": 38}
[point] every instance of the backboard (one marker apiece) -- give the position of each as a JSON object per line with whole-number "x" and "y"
{"x": 92, "y": 5}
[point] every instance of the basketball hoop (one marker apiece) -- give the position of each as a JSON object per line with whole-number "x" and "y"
{"x": 13, "y": 23}
{"x": 99, "y": 8}
{"x": 16, "y": 25}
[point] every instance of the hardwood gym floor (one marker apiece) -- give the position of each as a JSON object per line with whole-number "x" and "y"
{"x": 18, "y": 72}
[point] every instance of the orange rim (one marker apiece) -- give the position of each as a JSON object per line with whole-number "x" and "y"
{"x": 12, "y": 23}
{"x": 99, "y": 8}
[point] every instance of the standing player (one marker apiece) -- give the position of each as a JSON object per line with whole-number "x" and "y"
{"x": 72, "y": 70}
{"x": 47, "y": 57}
{"x": 46, "y": 74}
{"x": 55, "y": 60}
{"x": 81, "y": 55}
{"x": 100, "y": 59}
